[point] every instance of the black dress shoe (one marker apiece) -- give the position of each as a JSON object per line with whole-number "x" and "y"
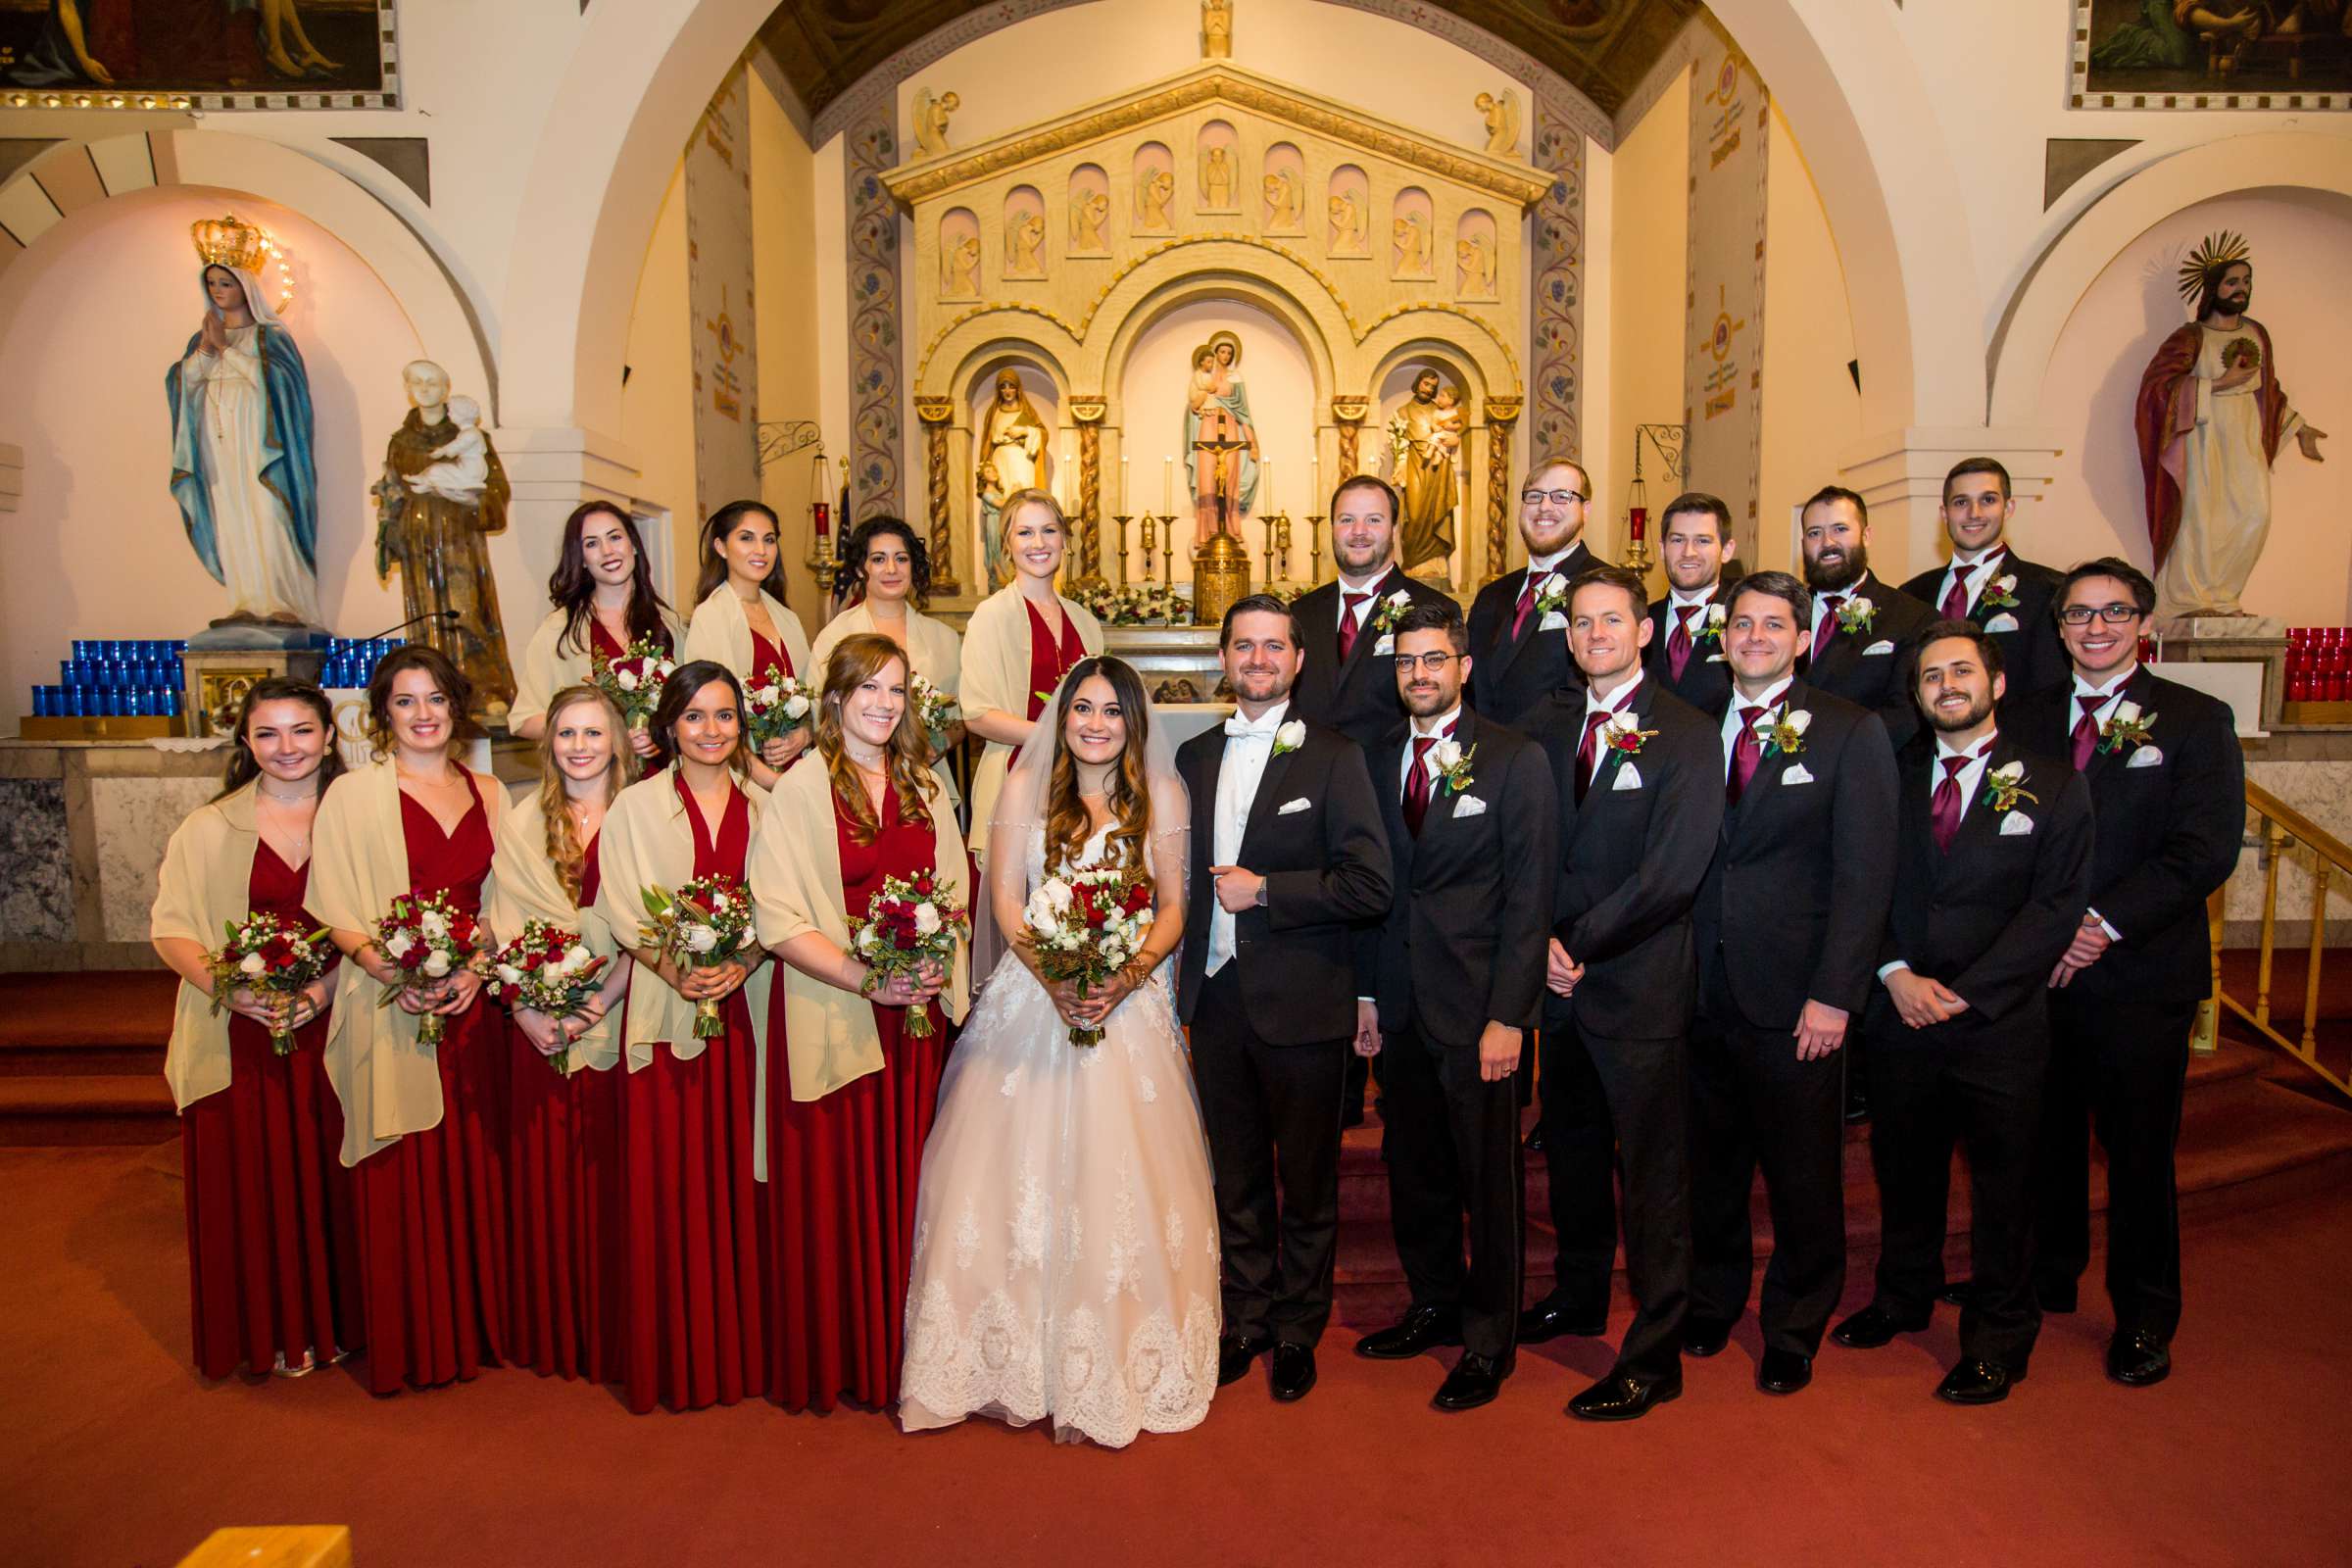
{"x": 1857, "y": 1110}
{"x": 1551, "y": 1317}
{"x": 1234, "y": 1352}
{"x": 1783, "y": 1372}
{"x": 1423, "y": 1328}
{"x": 2139, "y": 1358}
{"x": 1704, "y": 1337}
{"x": 1954, "y": 1293}
{"x": 1474, "y": 1381}
{"x": 1293, "y": 1371}
{"x": 1622, "y": 1396}
{"x": 1535, "y": 1140}
{"x": 1977, "y": 1383}
{"x": 1875, "y": 1325}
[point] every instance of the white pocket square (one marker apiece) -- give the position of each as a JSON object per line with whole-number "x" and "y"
{"x": 1386, "y": 645}
{"x": 2004, "y": 622}
{"x": 1469, "y": 806}
{"x": 1629, "y": 777}
{"x": 1288, "y": 806}
{"x": 2016, "y": 824}
{"x": 1714, "y": 659}
{"x": 1881, "y": 645}
{"x": 1796, "y": 774}
{"x": 1552, "y": 620}
{"x": 2146, "y": 756}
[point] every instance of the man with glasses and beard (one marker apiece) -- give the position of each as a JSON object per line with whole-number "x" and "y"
{"x": 1516, "y": 641}
{"x": 1992, "y": 865}
{"x": 1863, "y": 631}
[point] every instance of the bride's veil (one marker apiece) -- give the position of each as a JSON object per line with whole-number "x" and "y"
{"x": 1021, "y": 808}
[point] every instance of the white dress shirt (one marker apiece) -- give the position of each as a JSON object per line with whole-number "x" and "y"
{"x": 1971, "y": 780}
{"x": 1437, "y": 726}
{"x": 1972, "y": 571}
{"x": 1622, "y": 700}
{"x": 1731, "y": 718}
{"x": 1245, "y": 757}
{"x": 1539, "y": 565}
{"x": 2103, "y": 710}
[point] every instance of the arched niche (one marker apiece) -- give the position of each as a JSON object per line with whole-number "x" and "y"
{"x": 1154, "y": 189}
{"x": 1090, "y": 212}
{"x": 991, "y": 465}
{"x": 1477, "y": 256}
{"x": 1156, "y": 379}
{"x": 1283, "y": 196}
{"x": 1412, "y": 235}
{"x": 1347, "y": 214}
{"x": 1217, "y": 161}
{"x": 960, "y": 251}
{"x": 1024, "y": 233}
{"x": 1456, "y": 394}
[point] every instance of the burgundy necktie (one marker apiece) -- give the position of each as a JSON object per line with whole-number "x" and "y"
{"x": 1747, "y": 752}
{"x": 1348, "y": 626}
{"x": 1416, "y": 785}
{"x": 1943, "y": 812}
{"x": 2087, "y": 732}
{"x": 1527, "y": 604}
{"x": 1955, "y": 598}
{"x": 1678, "y": 641}
{"x": 1830, "y": 604}
{"x": 1588, "y": 754}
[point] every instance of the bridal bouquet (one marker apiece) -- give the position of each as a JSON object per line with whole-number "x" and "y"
{"x": 273, "y": 957}
{"x": 774, "y": 704}
{"x": 429, "y": 939}
{"x": 934, "y": 710}
{"x": 546, "y": 969}
{"x": 1086, "y": 924}
{"x": 700, "y": 925}
{"x": 907, "y": 926}
{"x": 634, "y": 680}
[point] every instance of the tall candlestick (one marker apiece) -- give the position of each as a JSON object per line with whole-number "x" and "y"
{"x": 1123, "y": 483}
{"x": 1168, "y": 484}
{"x": 1265, "y": 488}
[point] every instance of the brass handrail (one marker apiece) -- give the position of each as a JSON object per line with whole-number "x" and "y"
{"x": 2279, "y": 825}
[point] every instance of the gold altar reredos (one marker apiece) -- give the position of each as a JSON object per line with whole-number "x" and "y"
{"x": 1392, "y": 247}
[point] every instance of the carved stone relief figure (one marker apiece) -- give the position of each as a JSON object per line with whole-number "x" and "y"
{"x": 1281, "y": 202}
{"x": 1474, "y": 266}
{"x": 1089, "y": 212}
{"x": 1411, "y": 236}
{"x": 1500, "y": 111}
{"x": 931, "y": 121}
{"x": 1348, "y": 237}
{"x": 1154, "y": 190}
{"x": 1216, "y": 29}
{"x": 959, "y": 268}
{"x": 1216, "y": 178}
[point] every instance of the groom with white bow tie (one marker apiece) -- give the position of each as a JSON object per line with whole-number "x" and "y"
{"x": 1287, "y": 853}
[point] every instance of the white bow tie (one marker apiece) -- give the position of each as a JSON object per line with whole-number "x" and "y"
{"x": 1263, "y": 729}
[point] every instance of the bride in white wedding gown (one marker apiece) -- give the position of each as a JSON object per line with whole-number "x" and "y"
{"x": 1065, "y": 1241}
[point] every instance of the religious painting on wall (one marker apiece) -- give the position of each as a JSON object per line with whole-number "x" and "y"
{"x": 2211, "y": 54}
{"x": 199, "y": 54}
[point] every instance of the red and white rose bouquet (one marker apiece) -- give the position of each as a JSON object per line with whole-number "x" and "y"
{"x": 1086, "y": 924}
{"x": 774, "y": 704}
{"x": 273, "y": 957}
{"x": 700, "y": 925}
{"x": 634, "y": 680}
{"x": 907, "y": 926}
{"x": 427, "y": 939}
{"x": 546, "y": 969}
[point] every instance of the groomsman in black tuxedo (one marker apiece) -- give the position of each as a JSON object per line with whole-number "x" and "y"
{"x": 1349, "y": 682}
{"x": 2168, "y": 794}
{"x": 1863, "y": 631}
{"x": 1787, "y": 922}
{"x": 1448, "y": 985}
{"x": 1287, "y": 855}
{"x": 1639, "y": 777}
{"x": 1686, "y": 653}
{"x": 1515, "y": 625}
{"x": 1992, "y": 862}
{"x": 1990, "y": 584}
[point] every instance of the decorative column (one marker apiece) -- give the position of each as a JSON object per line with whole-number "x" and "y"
{"x": 877, "y": 446}
{"x": 1086, "y": 527}
{"x": 1502, "y": 414}
{"x": 1347, "y": 413}
{"x": 1555, "y": 270}
{"x": 938, "y": 415}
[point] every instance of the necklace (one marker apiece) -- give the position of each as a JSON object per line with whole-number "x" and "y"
{"x": 286, "y": 800}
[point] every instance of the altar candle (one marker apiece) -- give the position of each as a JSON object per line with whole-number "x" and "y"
{"x": 1168, "y": 484}
{"x": 1123, "y": 511}
{"x": 1637, "y": 519}
{"x": 825, "y": 517}
{"x": 1314, "y": 476}
{"x": 1069, "y": 479}
{"x": 1265, "y": 485}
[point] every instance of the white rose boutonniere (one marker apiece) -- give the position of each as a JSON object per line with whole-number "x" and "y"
{"x": 1390, "y": 611}
{"x": 1453, "y": 765}
{"x": 1290, "y": 736}
{"x": 1551, "y": 595}
{"x": 1857, "y": 615}
{"x": 2126, "y": 728}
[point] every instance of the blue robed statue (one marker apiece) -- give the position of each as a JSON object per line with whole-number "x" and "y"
{"x": 241, "y": 465}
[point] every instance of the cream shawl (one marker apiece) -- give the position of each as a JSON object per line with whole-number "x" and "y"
{"x": 830, "y": 1038}
{"x": 544, "y": 671}
{"x": 996, "y": 675}
{"x": 206, "y": 882}
{"x": 719, "y": 631}
{"x": 389, "y": 1084}
{"x": 528, "y": 889}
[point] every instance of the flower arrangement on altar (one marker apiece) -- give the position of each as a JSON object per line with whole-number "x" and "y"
{"x": 1142, "y": 603}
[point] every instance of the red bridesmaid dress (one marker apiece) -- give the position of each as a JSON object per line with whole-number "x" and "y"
{"x": 564, "y": 1291}
{"x": 692, "y": 1232}
{"x": 841, "y": 1174}
{"x": 765, "y": 653}
{"x": 1049, "y": 658}
{"x": 432, "y": 1208}
{"x": 272, "y": 1262}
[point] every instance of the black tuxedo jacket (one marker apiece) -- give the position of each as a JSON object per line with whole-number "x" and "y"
{"x": 1631, "y": 858}
{"x": 1509, "y": 675}
{"x": 1358, "y": 698}
{"x": 1794, "y": 902}
{"x": 2166, "y": 831}
{"x": 1326, "y": 868}
{"x": 2032, "y": 656}
{"x": 1706, "y": 682}
{"x": 1464, "y": 941}
{"x": 1990, "y": 918}
{"x": 1880, "y": 681}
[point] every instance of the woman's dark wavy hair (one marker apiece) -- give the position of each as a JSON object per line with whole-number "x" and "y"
{"x": 678, "y": 691}
{"x": 849, "y": 578}
{"x": 1128, "y": 793}
{"x": 243, "y": 769}
{"x": 573, "y": 588}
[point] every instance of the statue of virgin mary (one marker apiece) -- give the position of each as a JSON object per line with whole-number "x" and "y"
{"x": 241, "y": 467}
{"x": 1220, "y": 438}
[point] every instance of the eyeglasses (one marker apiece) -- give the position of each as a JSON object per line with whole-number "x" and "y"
{"x": 1435, "y": 664}
{"x": 1558, "y": 497}
{"x": 2113, "y": 614}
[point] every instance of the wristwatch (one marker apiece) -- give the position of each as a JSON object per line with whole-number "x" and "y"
{"x": 1261, "y": 892}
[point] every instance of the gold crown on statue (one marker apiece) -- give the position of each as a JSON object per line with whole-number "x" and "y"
{"x": 230, "y": 242}
{"x": 2210, "y": 259}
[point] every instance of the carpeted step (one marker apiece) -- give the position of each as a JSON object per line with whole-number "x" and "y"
{"x": 85, "y": 1109}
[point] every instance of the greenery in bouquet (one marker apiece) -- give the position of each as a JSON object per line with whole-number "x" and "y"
{"x": 701, "y": 924}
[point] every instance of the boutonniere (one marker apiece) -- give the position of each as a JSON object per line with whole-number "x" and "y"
{"x": 1619, "y": 735}
{"x": 1782, "y": 733}
{"x": 1710, "y": 626}
{"x": 1290, "y": 736}
{"x": 1998, "y": 594}
{"x": 1551, "y": 595}
{"x": 2125, "y": 726}
{"x": 1390, "y": 611}
{"x": 2005, "y": 786}
{"x": 1452, "y": 764}
{"x": 1857, "y": 615}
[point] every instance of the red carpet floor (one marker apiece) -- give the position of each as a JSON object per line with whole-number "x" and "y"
{"x": 114, "y": 1454}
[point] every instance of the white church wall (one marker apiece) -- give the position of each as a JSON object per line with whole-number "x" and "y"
{"x": 1646, "y": 233}
{"x": 1812, "y": 410}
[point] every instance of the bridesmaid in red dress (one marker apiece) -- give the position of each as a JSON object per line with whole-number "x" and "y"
{"x": 273, "y": 1269}
{"x": 692, "y": 1227}
{"x": 604, "y": 597}
{"x": 741, "y": 620}
{"x": 426, "y": 1125}
{"x": 565, "y": 1289}
{"x": 851, "y": 1090}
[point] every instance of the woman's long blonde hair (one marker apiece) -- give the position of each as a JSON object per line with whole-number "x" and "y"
{"x": 565, "y": 851}
{"x": 856, "y": 661}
